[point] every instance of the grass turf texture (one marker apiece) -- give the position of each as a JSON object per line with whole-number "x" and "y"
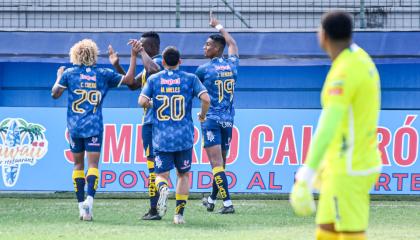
{"x": 28, "y": 218}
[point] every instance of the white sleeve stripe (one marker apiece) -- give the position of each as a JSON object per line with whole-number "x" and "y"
{"x": 148, "y": 98}
{"x": 199, "y": 94}
{"x": 61, "y": 85}
{"x": 119, "y": 84}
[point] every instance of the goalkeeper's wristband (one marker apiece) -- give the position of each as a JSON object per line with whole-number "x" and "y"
{"x": 219, "y": 27}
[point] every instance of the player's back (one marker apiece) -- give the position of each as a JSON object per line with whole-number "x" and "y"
{"x": 354, "y": 81}
{"x": 173, "y": 92}
{"x": 219, "y": 76}
{"x": 87, "y": 87}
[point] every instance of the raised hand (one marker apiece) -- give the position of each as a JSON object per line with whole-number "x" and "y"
{"x": 113, "y": 56}
{"x": 213, "y": 20}
{"x": 136, "y": 46}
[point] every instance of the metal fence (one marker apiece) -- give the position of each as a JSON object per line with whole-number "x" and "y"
{"x": 173, "y": 15}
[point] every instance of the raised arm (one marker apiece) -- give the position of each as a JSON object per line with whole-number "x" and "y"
{"x": 232, "y": 46}
{"x": 148, "y": 63}
{"x": 150, "y": 68}
{"x": 57, "y": 90}
{"x": 115, "y": 60}
{"x": 128, "y": 79}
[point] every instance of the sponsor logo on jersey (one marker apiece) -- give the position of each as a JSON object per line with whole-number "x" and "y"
{"x": 170, "y": 81}
{"x": 87, "y": 77}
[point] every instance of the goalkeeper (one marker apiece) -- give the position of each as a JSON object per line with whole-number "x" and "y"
{"x": 344, "y": 153}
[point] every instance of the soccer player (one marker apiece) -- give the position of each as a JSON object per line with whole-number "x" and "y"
{"x": 219, "y": 77}
{"x": 151, "y": 45}
{"x": 344, "y": 152}
{"x": 88, "y": 86}
{"x": 170, "y": 93}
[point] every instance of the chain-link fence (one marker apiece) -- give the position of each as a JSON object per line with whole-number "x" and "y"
{"x": 277, "y": 15}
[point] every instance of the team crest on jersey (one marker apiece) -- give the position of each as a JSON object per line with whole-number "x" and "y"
{"x": 158, "y": 162}
{"x": 186, "y": 164}
{"x": 21, "y": 142}
{"x": 210, "y": 136}
{"x": 94, "y": 142}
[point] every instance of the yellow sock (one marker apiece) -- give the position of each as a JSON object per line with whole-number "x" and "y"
{"x": 79, "y": 182}
{"x": 216, "y": 170}
{"x": 92, "y": 181}
{"x": 357, "y": 236}
{"x": 321, "y": 234}
{"x": 181, "y": 201}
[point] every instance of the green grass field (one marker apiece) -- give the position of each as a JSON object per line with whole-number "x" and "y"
{"x": 28, "y": 218}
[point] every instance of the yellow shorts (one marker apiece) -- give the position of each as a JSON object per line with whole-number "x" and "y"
{"x": 344, "y": 200}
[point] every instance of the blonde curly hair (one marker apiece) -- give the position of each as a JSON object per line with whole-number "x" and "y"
{"x": 84, "y": 52}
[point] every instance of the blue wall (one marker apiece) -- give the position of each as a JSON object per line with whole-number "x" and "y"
{"x": 279, "y": 70}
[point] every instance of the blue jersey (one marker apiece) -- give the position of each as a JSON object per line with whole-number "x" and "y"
{"x": 219, "y": 77}
{"x": 87, "y": 87}
{"x": 148, "y": 113}
{"x": 172, "y": 92}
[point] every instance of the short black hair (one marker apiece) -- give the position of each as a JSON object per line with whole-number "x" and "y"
{"x": 152, "y": 35}
{"x": 171, "y": 56}
{"x": 219, "y": 39}
{"x": 338, "y": 25}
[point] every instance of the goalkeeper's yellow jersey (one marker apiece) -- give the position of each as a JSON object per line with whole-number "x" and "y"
{"x": 353, "y": 82}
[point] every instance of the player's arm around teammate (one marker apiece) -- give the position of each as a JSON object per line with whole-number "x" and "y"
{"x": 87, "y": 84}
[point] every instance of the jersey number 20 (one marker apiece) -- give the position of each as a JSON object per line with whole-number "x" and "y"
{"x": 176, "y": 104}
{"x": 93, "y": 97}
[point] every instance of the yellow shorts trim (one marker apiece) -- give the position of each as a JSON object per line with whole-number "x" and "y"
{"x": 150, "y": 164}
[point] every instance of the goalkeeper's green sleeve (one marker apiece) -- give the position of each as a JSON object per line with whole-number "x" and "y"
{"x": 328, "y": 123}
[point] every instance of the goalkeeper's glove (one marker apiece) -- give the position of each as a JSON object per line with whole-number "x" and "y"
{"x": 301, "y": 197}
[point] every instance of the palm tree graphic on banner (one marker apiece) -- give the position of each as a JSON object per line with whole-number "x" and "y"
{"x": 20, "y": 143}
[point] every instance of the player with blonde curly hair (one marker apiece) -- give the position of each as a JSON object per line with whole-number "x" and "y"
{"x": 87, "y": 85}
{"x": 84, "y": 52}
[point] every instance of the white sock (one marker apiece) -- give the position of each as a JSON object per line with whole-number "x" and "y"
{"x": 210, "y": 200}
{"x": 80, "y": 205}
{"x": 227, "y": 203}
{"x": 89, "y": 199}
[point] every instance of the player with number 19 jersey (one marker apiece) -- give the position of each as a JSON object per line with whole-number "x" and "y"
{"x": 219, "y": 76}
{"x": 87, "y": 87}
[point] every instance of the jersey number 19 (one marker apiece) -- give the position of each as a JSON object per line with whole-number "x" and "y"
{"x": 225, "y": 87}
